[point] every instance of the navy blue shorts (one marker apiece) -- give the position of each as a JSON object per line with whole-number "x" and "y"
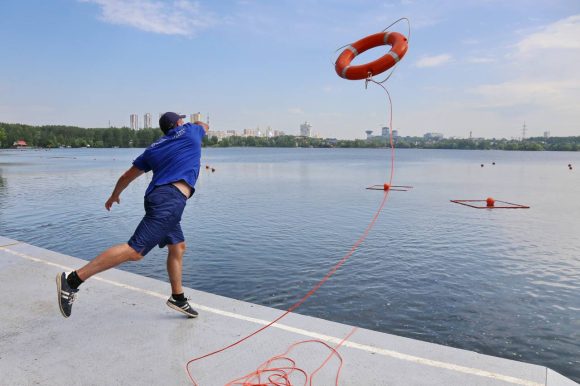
{"x": 160, "y": 225}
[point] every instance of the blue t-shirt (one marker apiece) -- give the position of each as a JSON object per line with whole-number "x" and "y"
{"x": 173, "y": 157}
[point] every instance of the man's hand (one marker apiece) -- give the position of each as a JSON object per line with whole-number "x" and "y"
{"x": 202, "y": 124}
{"x": 110, "y": 201}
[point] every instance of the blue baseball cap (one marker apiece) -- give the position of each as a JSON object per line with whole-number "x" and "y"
{"x": 168, "y": 121}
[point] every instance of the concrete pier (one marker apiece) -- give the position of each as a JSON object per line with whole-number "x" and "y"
{"x": 122, "y": 333}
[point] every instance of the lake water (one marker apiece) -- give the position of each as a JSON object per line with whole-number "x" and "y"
{"x": 270, "y": 223}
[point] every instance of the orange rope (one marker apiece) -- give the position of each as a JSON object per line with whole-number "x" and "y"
{"x": 280, "y": 375}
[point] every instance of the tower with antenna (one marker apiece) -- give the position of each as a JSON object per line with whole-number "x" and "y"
{"x": 524, "y": 131}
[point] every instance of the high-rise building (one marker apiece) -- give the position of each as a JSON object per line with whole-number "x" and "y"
{"x": 195, "y": 117}
{"x": 250, "y": 133}
{"x": 134, "y": 122}
{"x": 147, "y": 121}
{"x": 385, "y": 131}
{"x": 369, "y": 134}
{"x": 433, "y": 136}
{"x": 305, "y": 129}
{"x": 395, "y": 134}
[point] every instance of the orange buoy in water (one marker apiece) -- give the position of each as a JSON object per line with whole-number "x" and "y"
{"x": 490, "y": 203}
{"x": 390, "y": 188}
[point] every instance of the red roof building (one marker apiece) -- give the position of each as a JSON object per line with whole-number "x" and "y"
{"x": 20, "y": 144}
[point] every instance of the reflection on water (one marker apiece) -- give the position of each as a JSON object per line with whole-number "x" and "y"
{"x": 3, "y": 193}
{"x": 3, "y": 189}
{"x": 269, "y": 223}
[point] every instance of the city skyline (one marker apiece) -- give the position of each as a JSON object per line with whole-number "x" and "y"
{"x": 305, "y": 130}
{"x": 471, "y": 66}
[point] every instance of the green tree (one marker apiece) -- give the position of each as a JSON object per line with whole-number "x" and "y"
{"x": 2, "y": 136}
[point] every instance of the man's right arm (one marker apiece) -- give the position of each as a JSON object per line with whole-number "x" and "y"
{"x": 122, "y": 183}
{"x": 202, "y": 124}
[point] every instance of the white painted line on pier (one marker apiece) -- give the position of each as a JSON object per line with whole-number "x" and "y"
{"x": 9, "y": 245}
{"x": 331, "y": 339}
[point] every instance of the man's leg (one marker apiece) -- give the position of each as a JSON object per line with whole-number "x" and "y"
{"x": 110, "y": 258}
{"x": 175, "y": 266}
{"x": 67, "y": 287}
{"x": 177, "y": 301}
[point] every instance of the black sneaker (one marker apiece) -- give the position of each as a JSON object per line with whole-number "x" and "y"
{"x": 182, "y": 306}
{"x": 66, "y": 294}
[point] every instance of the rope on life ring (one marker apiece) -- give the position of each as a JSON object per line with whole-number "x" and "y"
{"x": 397, "y": 41}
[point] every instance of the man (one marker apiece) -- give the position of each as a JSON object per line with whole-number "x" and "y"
{"x": 174, "y": 160}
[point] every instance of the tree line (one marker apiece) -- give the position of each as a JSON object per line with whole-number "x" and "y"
{"x": 58, "y": 136}
{"x": 530, "y": 144}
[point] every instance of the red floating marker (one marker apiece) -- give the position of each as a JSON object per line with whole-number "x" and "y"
{"x": 490, "y": 203}
{"x": 386, "y": 187}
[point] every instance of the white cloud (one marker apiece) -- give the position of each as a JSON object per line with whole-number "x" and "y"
{"x": 433, "y": 61}
{"x": 543, "y": 72}
{"x": 556, "y": 95}
{"x": 563, "y": 34}
{"x": 177, "y": 17}
{"x": 481, "y": 60}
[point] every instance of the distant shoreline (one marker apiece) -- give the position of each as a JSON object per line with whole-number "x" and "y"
{"x": 75, "y": 137}
{"x": 269, "y": 147}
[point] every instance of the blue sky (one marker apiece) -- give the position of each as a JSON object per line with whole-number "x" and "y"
{"x": 483, "y": 66}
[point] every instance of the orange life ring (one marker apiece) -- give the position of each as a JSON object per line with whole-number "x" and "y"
{"x": 398, "y": 50}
